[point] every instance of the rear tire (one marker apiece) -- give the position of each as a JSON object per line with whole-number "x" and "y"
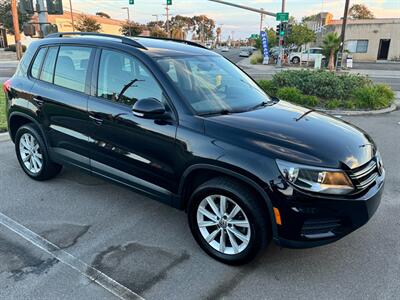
{"x": 235, "y": 233}
{"x": 33, "y": 155}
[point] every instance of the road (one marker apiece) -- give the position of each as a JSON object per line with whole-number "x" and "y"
{"x": 232, "y": 55}
{"x": 147, "y": 247}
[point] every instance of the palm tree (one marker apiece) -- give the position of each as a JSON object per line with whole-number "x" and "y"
{"x": 331, "y": 44}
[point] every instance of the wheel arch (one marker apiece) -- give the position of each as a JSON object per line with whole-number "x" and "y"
{"x": 214, "y": 171}
{"x": 18, "y": 119}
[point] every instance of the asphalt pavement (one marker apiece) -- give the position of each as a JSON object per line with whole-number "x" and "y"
{"x": 80, "y": 237}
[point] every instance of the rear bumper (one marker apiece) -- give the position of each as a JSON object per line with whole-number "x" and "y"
{"x": 310, "y": 222}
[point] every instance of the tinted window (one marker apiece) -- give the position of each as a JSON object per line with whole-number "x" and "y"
{"x": 48, "y": 65}
{"x": 72, "y": 66}
{"x": 117, "y": 71}
{"x": 35, "y": 71}
{"x": 212, "y": 84}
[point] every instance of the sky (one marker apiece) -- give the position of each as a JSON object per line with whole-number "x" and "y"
{"x": 234, "y": 21}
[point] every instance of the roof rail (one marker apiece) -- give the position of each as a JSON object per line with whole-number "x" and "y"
{"x": 174, "y": 40}
{"x": 123, "y": 39}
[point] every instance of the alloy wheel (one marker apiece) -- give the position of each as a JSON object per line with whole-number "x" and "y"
{"x": 223, "y": 224}
{"x": 30, "y": 153}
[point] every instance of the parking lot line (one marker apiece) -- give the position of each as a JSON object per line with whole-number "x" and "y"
{"x": 68, "y": 259}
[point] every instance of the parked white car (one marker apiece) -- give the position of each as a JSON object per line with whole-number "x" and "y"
{"x": 308, "y": 55}
{"x": 225, "y": 49}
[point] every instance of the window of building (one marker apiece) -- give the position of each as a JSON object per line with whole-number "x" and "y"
{"x": 122, "y": 73}
{"x": 35, "y": 71}
{"x": 48, "y": 65}
{"x": 72, "y": 67}
{"x": 357, "y": 46}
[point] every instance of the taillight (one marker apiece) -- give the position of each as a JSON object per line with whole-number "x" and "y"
{"x": 7, "y": 86}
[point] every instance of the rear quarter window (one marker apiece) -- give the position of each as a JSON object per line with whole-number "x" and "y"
{"x": 48, "y": 65}
{"x": 35, "y": 70}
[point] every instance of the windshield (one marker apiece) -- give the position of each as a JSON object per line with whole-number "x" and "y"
{"x": 212, "y": 84}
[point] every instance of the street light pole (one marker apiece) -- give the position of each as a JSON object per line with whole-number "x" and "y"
{"x": 129, "y": 20}
{"x": 17, "y": 35}
{"x": 72, "y": 16}
{"x": 167, "y": 9}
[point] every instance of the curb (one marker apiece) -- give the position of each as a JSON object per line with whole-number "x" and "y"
{"x": 4, "y": 136}
{"x": 393, "y": 107}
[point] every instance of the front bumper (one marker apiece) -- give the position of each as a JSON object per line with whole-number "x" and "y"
{"x": 311, "y": 220}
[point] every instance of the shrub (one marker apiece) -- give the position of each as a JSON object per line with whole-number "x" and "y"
{"x": 349, "y": 105}
{"x": 332, "y": 104}
{"x": 373, "y": 97}
{"x": 13, "y": 48}
{"x": 310, "y": 101}
{"x": 269, "y": 87}
{"x": 256, "y": 58}
{"x": 290, "y": 94}
{"x": 323, "y": 84}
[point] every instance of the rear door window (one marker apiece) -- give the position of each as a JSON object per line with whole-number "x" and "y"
{"x": 72, "y": 67}
{"x": 37, "y": 64}
{"x": 48, "y": 65}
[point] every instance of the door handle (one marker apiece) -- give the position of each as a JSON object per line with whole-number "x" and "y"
{"x": 38, "y": 100}
{"x": 98, "y": 121}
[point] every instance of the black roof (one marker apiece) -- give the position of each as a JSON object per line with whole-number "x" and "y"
{"x": 155, "y": 47}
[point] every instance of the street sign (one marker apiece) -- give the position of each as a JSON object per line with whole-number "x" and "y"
{"x": 282, "y": 16}
{"x": 254, "y": 36}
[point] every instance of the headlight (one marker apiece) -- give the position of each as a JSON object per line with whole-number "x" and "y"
{"x": 315, "y": 179}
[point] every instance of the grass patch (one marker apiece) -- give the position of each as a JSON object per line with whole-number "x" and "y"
{"x": 3, "y": 123}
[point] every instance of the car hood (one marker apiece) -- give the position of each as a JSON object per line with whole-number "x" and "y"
{"x": 295, "y": 134}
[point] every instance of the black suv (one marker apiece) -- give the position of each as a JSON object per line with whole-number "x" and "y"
{"x": 185, "y": 126}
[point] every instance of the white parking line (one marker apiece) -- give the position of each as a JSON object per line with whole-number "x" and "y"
{"x": 66, "y": 258}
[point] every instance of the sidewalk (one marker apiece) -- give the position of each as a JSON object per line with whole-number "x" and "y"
{"x": 8, "y": 56}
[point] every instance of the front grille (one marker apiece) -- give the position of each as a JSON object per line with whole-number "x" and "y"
{"x": 364, "y": 176}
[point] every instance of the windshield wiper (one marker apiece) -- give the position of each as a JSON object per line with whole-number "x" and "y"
{"x": 218, "y": 112}
{"x": 266, "y": 103}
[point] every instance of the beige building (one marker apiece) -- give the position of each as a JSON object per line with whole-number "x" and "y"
{"x": 366, "y": 40}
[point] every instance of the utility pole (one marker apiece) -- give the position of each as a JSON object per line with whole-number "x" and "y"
{"x": 42, "y": 17}
{"x": 167, "y": 10}
{"x": 129, "y": 20}
{"x": 261, "y": 21}
{"x": 342, "y": 35}
{"x": 72, "y": 16}
{"x": 17, "y": 35}
{"x": 279, "y": 65}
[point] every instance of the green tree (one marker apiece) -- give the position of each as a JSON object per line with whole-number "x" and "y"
{"x": 6, "y": 16}
{"x": 309, "y": 18}
{"x": 132, "y": 28}
{"x": 154, "y": 24}
{"x": 360, "y": 11}
{"x": 85, "y": 23}
{"x": 331, "y": 45}
{"x": 158, "y": 32}
{"x": 301, "y": 34}
{"x": 180, "y": 26}
{"x": 204, "y": 27}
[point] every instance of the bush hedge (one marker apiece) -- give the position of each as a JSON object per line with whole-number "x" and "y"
{"x": 328, "y": 90}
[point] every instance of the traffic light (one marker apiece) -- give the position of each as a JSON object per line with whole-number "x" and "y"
{"x": 54, "y": 7}
{"x": 131, "y": 2}
{"x": 169, "y": 2}
{"x": 289, "y": 29}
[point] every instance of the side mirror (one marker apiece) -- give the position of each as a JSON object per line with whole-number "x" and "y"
{"x": 149, "y": 108}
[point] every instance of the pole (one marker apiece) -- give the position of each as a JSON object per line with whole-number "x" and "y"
{"x": 281, "y": 39}
{"x": 261, "y": 21}
{"x": 72, "y": 16}
{"x": 129, "y": 20}
{"x": 245, "y": 7}
{"x": 343, "y": 33}
{"x": 17, "y": 35}
{"x": 168, "y": 33}
{"x": 42, "y": 17}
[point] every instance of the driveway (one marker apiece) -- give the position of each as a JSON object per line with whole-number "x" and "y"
{"x": 79, "y": 237}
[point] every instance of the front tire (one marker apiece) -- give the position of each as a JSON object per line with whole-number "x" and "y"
{"x": 32, "y": 154}
{"x": 228, "y": 221}
{"x": 295, "y": 60}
